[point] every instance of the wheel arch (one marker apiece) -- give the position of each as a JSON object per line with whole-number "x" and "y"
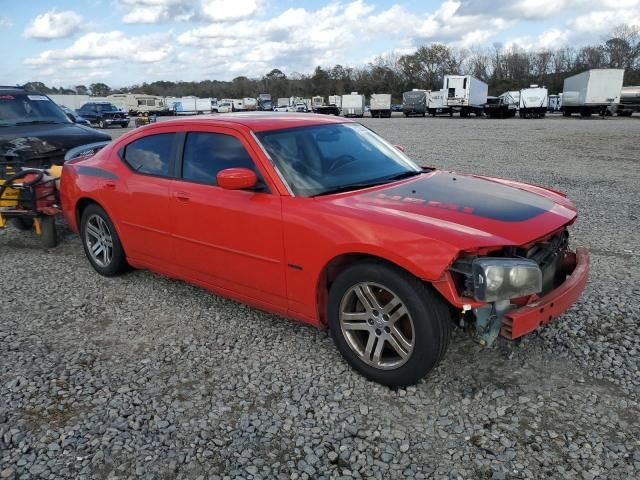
{"x": 337, "y": 265}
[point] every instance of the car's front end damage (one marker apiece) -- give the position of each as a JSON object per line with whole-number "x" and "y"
{"x": 512, "y": 291}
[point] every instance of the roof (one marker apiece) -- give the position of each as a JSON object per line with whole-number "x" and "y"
{"x": 16, "y": 89}
{"x": 261, "y": 121}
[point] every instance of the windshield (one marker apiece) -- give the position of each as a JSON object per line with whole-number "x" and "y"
{"x": 328, "y": 158}
{"x": 25, "y": 109}
{"x": 107, "y": 107}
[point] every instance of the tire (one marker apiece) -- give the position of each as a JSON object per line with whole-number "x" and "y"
{"x": 48, "y": 233}
{"x": 426, "y": 323}
{"x": 102, "y": 124}
{"x": 23, "y": 223}
{"x": 108, "y": 263}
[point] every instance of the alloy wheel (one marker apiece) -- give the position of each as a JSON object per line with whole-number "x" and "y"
{"x": 377, "y": 325}
{"x": 99, "y": 240}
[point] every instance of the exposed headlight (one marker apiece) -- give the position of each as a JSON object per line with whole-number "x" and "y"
{"x": 504, "y": 278}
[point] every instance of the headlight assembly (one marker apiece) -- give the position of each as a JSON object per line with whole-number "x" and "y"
{"x": 504, "y": 278}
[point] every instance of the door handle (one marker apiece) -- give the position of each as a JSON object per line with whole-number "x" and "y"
{"x": 182, "y": 196}
{"x": 110, "y": 185}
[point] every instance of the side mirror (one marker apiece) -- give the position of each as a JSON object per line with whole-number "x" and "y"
{"x": 236, "y": 178}
{"x": 399, "y": 147}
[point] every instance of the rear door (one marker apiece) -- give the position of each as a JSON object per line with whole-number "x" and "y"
{"x": 231, "y": 239}
{"x": 144, "y": 216}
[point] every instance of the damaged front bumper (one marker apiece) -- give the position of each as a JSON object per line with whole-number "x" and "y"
{"x": 541, "y": 311}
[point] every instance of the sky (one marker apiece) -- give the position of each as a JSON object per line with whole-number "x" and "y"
{"x": 126, "y": 42}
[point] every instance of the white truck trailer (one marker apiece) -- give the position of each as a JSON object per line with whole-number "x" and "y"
{"x": 335, "y": 100}
{"x": 465, "y": 94}
{"x": 380, "y": 105}
{"x": 436, "y": 104}
{"x": 533, "y": 102}
{"x": 593, "y": 91}
{"x": 353, "y": 105}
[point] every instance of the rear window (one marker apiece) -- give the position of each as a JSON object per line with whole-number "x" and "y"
{"x": 150, "y": 155}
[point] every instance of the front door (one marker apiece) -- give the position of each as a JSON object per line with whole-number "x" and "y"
{"x": 231, "y": 239}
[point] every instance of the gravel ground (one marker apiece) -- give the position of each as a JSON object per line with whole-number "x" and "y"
{"x": 143, "y": 376}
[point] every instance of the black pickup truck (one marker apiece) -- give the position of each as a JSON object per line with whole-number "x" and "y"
{"x": 104, "y": 114}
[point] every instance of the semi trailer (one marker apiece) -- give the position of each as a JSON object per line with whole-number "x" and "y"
{"x": 465, "y": 94}
{"x": 592, "y": 91}
{"x": 353, "y": 105}
{"x": 380, "y": 105}
{"x": 533, "y": 102}
{"x": 414, "y": 102}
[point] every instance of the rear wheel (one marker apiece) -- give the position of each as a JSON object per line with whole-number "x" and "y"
{"x": 387, "y": 324}
{"x": 101, "y": 242}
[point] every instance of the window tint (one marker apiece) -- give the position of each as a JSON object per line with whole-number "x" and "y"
{"x": 205, "y": 154}
{"x": 151, "y": 155}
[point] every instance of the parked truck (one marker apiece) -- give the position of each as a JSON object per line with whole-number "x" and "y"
{"x": 264, "y": 102}
{"x": 629, "y": 101}
{"x": 318, "y": 106}
{"x": 593, "y": 91}
{"x": 503, "y": 106}
{"x": 414, "y": 102}
{"x": 465, "y": 94}
{"x": 353, "y": 105}
{"x": 533, "y": 102}
{"x": 380, "y": 105}
{"x": 436, "y": 104}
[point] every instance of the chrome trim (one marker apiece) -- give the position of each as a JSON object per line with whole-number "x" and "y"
{"x": 275, "y": 167}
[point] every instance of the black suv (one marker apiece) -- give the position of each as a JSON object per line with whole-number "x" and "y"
{"x": 35, "y": 131}
{"x": 104, "y": 114}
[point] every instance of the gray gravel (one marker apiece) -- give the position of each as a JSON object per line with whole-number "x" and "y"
{"x": 142, "y": 376}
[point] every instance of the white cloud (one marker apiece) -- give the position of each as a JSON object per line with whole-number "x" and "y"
{"x": 95, "y": 50}
{"x": 54, "y": 24}
{"x": 5, "y": 22}
{"x": 225, "y": 10}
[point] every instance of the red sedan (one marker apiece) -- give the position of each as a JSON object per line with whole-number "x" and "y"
{"x": 321, "y": 220}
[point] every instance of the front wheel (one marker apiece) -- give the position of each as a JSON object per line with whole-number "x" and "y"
{"x": 101, "y": 242}
{"x": 387, "y": 324}
{"x": 102, "y": 124}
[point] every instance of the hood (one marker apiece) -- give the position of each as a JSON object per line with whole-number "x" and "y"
{"x": 465, "y": 211}
{"x": 42, "y": 145}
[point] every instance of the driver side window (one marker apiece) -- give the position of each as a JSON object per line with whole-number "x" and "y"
{"x": 206, "y": 154}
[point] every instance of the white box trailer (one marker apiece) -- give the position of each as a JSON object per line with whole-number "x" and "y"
{"x": 353, "y": 105}
{"x": 592, "y": 91}
{"x": 465, "y": 94}
{"x": 73, "y": 102}
{"x": 380, "y": 105}
{"x": 436, "y": 104}
{"x": 335, "y": 100}
{"x": 533, "y": 102}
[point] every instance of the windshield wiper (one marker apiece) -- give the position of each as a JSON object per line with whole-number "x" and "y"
{"x": 403, "y": 175}
{"x": 350, "y": 187}
{"x": 38, "y": 122}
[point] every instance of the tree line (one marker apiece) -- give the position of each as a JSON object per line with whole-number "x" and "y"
{"x": 501, "y": 68}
